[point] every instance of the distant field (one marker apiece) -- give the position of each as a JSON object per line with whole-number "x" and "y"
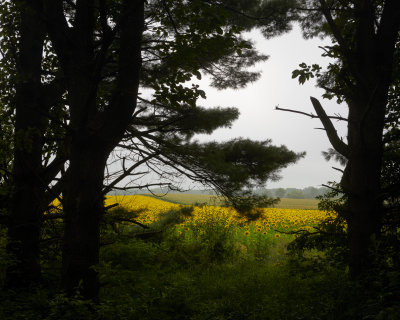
{"x": 193, "y": 199}
{"x": 288, "y": 203}
{"x": 285, "y": 203}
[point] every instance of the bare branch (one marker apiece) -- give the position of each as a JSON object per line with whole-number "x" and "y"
{"x": 332, "y": 188}
{"x": 313, "y": 116}
{"x": 127, "y": 173}
{"x": 143, "y": 186}
{"x": 333, "y": 137}
{"x": 340, "y": 170}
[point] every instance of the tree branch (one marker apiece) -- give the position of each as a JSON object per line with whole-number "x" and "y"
{"x": 340, "y": 170}
{"x": 118, "y": 114}
{"x": 335, "y": 30}
{"x": 58, "y": 28}
{"x": 310, "y": 114}
{"x": 332, "y": 188}
{"x": 171, "y": 19}
{"x": 127, "y": 173}
{"x": 333, "y": 137}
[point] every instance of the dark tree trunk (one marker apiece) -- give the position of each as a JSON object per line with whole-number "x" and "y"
{"x": 24, "y": 226}
{"x": 361, "y": 182}
{"x": 83, "y": 205}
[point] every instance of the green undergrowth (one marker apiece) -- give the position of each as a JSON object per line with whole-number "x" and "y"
{"x": 207, "y": 274}
{"x": 180, "y": 284}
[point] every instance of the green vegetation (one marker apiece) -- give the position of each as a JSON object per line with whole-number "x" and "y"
{"x": 209, "y": 272}
{"x": 211, "y": 200}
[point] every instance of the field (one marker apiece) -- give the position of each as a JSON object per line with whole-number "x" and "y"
{"x": 192, "y": 199}
{"x": 274, "y": 221}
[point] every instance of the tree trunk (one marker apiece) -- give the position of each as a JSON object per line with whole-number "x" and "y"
{"x": 28, "y": 190}
{"x": 361, "y": 181}
{"x": 83, "y": 206}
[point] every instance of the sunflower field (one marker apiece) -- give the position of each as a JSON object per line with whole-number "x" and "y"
{"x": 274, "y": 221}
{"x": 211, "y": 263}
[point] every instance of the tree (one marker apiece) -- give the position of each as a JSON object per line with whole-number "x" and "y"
{"x": 105, "y": 51}
{"x": 24, "y": 222}
{"x": 295, "y": 194}
{"x": 364, "y": 35}
{"x": 280, "y": 193}
{"x": 312, "y": 192}
{"x": 26, "y": 169}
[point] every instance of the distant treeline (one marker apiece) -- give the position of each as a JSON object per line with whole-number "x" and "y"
{"x": 294, "y": 193}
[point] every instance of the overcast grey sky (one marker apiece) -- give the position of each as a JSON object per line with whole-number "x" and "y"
{"x": 259, "y": 120}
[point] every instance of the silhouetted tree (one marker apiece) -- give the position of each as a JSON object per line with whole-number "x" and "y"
{"x": 26, "y": 166}
{"x": 364, "y": 35}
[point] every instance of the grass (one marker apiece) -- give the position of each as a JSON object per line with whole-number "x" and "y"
{"x": 193, "y": 199}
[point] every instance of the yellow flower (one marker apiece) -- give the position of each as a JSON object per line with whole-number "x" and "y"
{"x": 246, "y": 233}
{"x": 277, "y": 235}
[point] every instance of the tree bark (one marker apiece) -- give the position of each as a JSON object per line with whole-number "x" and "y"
{"x": 24, "y": 226}
{"x": 83, "y": 205}
{"x": 361, "y": 182}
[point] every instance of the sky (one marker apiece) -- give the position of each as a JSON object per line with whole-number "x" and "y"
{"x": 260, "y": 121}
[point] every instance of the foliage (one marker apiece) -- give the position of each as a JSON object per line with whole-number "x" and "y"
{"x": 329, "y": 235}
{"x": 7, "y": 103}
{"x": 209, "y": 267}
